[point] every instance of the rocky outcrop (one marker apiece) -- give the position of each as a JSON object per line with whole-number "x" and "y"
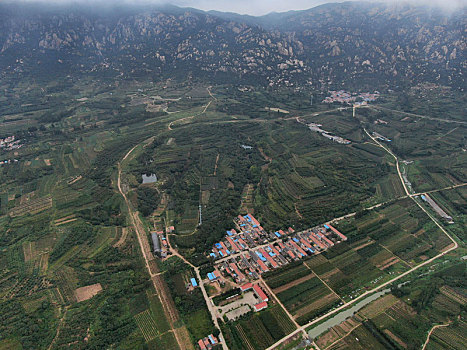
{"x": 332, "y": 44}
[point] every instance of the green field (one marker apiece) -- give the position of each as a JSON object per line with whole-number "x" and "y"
{"x": 64, "y": 225}
{"x": 259, "y": 330}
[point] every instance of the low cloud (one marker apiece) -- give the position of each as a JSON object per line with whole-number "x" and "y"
{"x": 252, "y": 7}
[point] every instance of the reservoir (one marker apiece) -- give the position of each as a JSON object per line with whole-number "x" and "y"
{"x": 149, "y": 179}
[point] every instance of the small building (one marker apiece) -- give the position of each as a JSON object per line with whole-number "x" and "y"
{"x": 261, "y": 306}
{"x": 208, "y": 342}
{"x": 193, "y": 282}
{"x": 156, "y": 244}
{"x": 246, "y": 286}
{"x": 201, "y": 344}
{"x": 259, "y": 292}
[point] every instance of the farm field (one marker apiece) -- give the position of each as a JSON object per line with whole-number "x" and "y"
{"x": 403, "y": 318}
{"x": 450, "y": 337}
{"x": 382, "y": 243}
{"x": 71, "y": 269}
{"x": 259, "y": 330}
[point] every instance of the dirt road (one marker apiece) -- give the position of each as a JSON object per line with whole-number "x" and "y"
{"x": 431, "y": 331}
{"x": 141, "y": 235}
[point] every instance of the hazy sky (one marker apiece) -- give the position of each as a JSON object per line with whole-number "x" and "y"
{"x": 252, "y": 7}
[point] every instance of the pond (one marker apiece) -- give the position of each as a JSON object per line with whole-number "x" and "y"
{"x": 149, "y": 178}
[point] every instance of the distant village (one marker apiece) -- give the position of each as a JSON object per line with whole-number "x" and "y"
{"x": 10, "y": 143}
{"x": 343, "y": 96}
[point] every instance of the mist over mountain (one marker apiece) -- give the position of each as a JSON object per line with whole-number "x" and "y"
{"x": 344, "y": 44}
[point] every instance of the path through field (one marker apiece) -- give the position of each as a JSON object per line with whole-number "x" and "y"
{"x": 141, "y": 235}
{"x": 431, "y": 331}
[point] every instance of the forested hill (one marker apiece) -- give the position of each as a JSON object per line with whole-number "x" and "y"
{"x": 376, "y": 45}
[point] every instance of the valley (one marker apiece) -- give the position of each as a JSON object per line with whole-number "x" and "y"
{"x": 197, "y": 180}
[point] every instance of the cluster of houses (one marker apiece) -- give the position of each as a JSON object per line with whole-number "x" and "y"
{"x": 250, "y": 252}
{"x": 10, "y": 143}
{"x": 342, "y": 96}
{"x": 208, "y": 343}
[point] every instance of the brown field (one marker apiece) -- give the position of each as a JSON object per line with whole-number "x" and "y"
{"x": 328, "y": 275}
{"x": 364, "y": 245}
{"x": 395, "y": 338}
{"x": 378, "y": 306}
{"x": 337, "y": 332}
{"x": 65, "y": 220}
{"x": 293, "y": 283}
{"x": 184, "y": 337}
{"x": 387, "y": 263}
{"x": 452, "y": 294}
{"x": 419, "y": 232}
{"x": 74, "y": 179}
{"x": 44, "y": 262}
{"x": 316, "y": 305}
{"x": 153, "y": 266}
{"x": 28, "y": 251}
{"x": 87, "y": 292}
{"x": 205, "y": 197}
{"x": 381, "y": 257}
{"x": 32, "y": 206}
{"x": 166, "y": 299}
{"x": 401, "y": 309}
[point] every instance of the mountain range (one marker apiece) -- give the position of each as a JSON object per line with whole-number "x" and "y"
{"x": 350, "y": 45}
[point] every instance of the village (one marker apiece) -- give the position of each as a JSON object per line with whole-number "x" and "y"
{"x": 249, "y": 251}
{"x": 10, "y": 143}
{"x": 252, "y": 251}
{"x": 342, "y": 96}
